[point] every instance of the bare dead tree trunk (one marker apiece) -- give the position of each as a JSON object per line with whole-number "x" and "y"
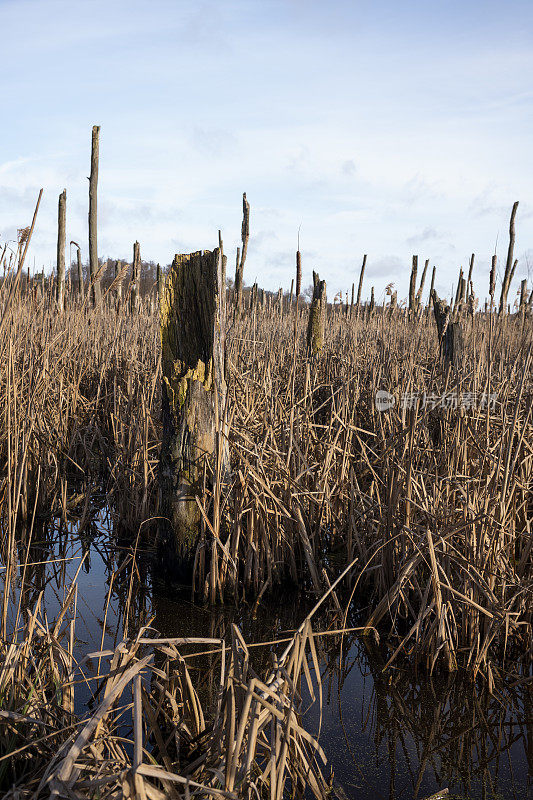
{"x": 360, "y": 287}
{"x": 372, "y": 305}
{"x": 470, "y": 270}
{"x": 412, "y": 287}
{"x": 224, "y": 263}
{"x": 61, "y": 244}
{"x": 450, "y": 333}
{"x": 193, "y": 395}
{"x": 433, "y": 274}
{"x": 118, "y": 270}
{"x": 159, "y": 282}
{"x": 317, "y": 317}
{"x": 460, "y": 295}
{"x": 81, "y": 287}
{"x": 522, "y": 308}
{"x": 135, "y": 278}
{"x": 509, "y": 266}
{"x": 421, "y": 287}
{"x": 492, "y": 281}
{"x": 238, "y": 282}
{"x": 241, "y": 256}
{"x": 93, "y": 217}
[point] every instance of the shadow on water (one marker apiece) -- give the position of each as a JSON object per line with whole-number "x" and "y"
{"x": 390, "y": 735}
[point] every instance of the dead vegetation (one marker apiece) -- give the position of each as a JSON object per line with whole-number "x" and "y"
{"x": 418, "y": 515}
{"x": 148, "y": 734}
{"x": 427, "y": 506}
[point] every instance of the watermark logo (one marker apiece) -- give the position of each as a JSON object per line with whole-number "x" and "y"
{"x": 384, "y": 400}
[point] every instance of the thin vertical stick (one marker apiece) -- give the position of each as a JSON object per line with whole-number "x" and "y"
{"x": 509, "y": 267}
{"x": 361, "y": 276}
{"x": 61, "y": 225}
{"x": 93, "y": 216}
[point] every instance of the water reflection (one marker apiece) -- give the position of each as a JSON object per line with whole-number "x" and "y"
{"x": 389, "y": 735}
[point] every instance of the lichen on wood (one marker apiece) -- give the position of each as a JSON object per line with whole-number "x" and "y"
{"x": 192, "y": 309}
{"x": 317, "y": 317}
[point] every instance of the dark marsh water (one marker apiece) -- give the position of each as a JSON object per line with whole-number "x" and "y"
{"x": 387, "y": 736}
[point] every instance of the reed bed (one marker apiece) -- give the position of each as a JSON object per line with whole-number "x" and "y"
{"x": 425, "y": 511}
{"x": 148, "y": 734}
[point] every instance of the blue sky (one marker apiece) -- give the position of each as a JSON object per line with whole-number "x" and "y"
{"x": 386, "y": 128}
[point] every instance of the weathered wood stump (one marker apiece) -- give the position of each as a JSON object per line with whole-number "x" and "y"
{"x": 192, "y": 313}
{"x": 450, "y": 333}
{"x": 316, "y": 326}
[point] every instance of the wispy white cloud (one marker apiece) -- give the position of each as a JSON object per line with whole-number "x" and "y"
{"x": 378, "y": 127}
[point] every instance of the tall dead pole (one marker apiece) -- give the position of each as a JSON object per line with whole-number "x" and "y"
{"x": 160, "y": 282}
{"x": 61, "y": 244}
{"x": 135, "y": 278}
{"x": 193, "y": 394}
{"x": 460, "y": 294}
{"x": 510, "y": 266}
{"x": 237, "y": 286}
{"x": 372, "y": 305}
{"x": 469, "y": 287}
{"x": 360, "y": 287}
{"x": 81, "y": 287}
{"x": 93, "y": 217}
{"x": 433, "y": 274}
{"x": 492, "y": 281}
{"x": 522, "y": 308}
{"x": 241, "y": 255}
{"x": 421, "y": 287}
{"x": 412, "y": 287}
{"x": 280, "y": 302}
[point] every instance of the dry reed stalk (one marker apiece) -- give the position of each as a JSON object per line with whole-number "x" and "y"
{"x": 80, "y": 400}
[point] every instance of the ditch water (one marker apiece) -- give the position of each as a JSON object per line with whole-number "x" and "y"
{"x": 387, "y": 736}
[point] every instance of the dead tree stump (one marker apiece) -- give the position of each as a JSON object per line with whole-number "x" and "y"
{"x": 316, "y": 326}
{"x": 450, "y": 333}
{"x": 193, "y": 397}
